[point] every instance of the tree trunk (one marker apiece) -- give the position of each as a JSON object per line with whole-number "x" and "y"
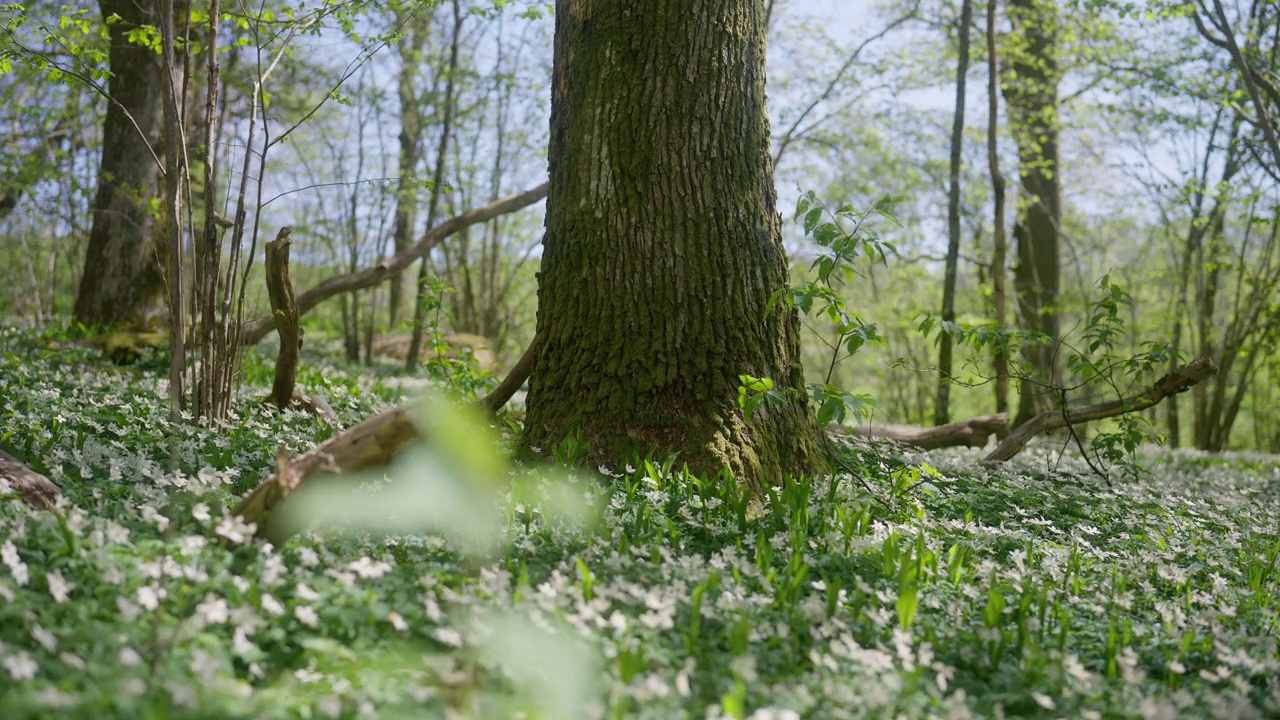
{"x": 999, "y": 244}
{"x": 1031, "y": 92}
{"x": 942, "y": 403}
{"x": 437, "y": 186}
{"x": 663, "y": 244}
{"x": 123, "y": 279}
{"x": 414, "y": 29}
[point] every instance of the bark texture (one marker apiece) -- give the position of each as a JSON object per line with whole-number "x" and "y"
{"x": 36, "y": 490}
{"x": 1031, "y": 93}
{"x": 1000, "y": 361}
{"x": 942, "y": 401}
{"x": 663, "y": 244}
{"x": 284, "y": 310}
{"x": 123, "y": 279}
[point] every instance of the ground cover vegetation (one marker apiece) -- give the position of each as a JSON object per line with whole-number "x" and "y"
{"x": 924, "y": 585}
{"x": 913, "y": 449}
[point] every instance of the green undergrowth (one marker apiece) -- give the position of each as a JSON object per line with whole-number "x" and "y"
{"x": 922, "y": 585}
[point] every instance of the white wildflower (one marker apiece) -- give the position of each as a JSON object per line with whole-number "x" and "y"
{"x": 272, "y": 605}
{"x": 306, "y": 615}
{"x": 450, "y": 637}
{"x": 149, "y": 596}
{"x": 17, "y": 568}
{"x": 213, "y": 611}
{"x": 21, "y": 666}
{"x": 235, "y": 529}
{"x": 46, "y": 639}
{"x": 59, "y": 588}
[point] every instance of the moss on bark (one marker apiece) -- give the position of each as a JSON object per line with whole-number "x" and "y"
{"x": 663, "y": 243}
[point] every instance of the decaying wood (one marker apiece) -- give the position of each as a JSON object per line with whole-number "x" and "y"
{"x": 373, "y": 443}
{"x": 35, "y": 489}
{"x": 284, "y": 312}
{"x": 254, "y": 332}
{"x": 966, "y": 433}
{"x": 1175, "y": 382}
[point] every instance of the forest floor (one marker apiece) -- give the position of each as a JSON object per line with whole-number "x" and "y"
{"x": 471, "y": 586}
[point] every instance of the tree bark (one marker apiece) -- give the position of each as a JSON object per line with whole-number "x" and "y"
{"x": 437, "y": 187}
{"x": 123, "y": 278}
{"x": 663, "y": 244}
{"x": 1031, "y": 93}
{"x": 36, "y": 490}
{"x": 409, "y": 45}
{"x": 999, "y": 244}
{"x": 942, "y": 401}
{"x": 284, "y": 310}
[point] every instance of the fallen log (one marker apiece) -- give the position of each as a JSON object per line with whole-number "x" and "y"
{"x": 965, "y": 433}
{"x": 1180, "y": 380}
{"x": 35, "y": 489}
{"x": 254, "y": 331}
{"x": 373, "y": 443}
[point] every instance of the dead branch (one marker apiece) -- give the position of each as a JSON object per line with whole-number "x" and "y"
{"x": 965, "y": 433}
{"x": 1178, "y": 381}
{"x": 256, "y": 330}
{"x": 373, "y": 443}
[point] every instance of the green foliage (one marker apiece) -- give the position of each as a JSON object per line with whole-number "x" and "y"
{"x": 845, "y": 237}
{"x": 931, "y": 590}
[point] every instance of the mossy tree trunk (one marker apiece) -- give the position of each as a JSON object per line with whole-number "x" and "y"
{"x": 123, "y": 279}
{"x": 1031, "y": 92}
{"x": 663, "y": 244}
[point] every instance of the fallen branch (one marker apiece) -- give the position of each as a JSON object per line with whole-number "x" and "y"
{"x": 35, "y": 489}
{"x": 1175, "y": 382}
{"x": 373, "y": 443}
{"x": 967, "y": 433}
{"x": 255, "y": 331}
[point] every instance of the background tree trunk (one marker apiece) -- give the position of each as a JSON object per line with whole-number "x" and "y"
{"x": 663, "y": 244}
{"x": 1031, "y": 93}
{"x": 999, "y": 244}
{"x": 942, "y": 402}
{"x": 414, "y": 23}
{"x": 123, "y": 279}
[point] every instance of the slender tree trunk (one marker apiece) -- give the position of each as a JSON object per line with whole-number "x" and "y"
{"x": 175, "y": 173}
{"x": 437, "y": 185}
{"x": 663, "y": 244}
{"x": 123, "y": 278}
{"x": 1031, "y": 91}
{"x": 942, "y": 404}
{"x": 999, "y": 244}
{"x": 1207, "y": 254}
{"x": 413, "y": 36}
